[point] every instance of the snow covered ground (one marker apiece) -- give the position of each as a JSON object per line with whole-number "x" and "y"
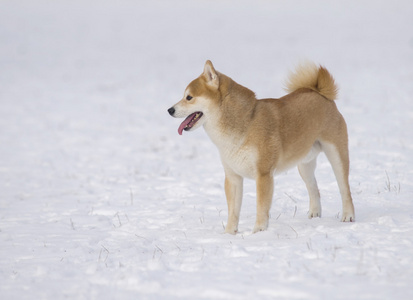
{"x": 100, "y": 198}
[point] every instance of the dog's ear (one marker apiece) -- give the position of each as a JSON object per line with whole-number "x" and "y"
{"x": 211, "y": 75}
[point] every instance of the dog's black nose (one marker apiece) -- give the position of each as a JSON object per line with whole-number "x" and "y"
{"x": 171, "y": 111}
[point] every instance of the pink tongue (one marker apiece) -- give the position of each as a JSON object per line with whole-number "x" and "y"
{"x": 185, "y": 122}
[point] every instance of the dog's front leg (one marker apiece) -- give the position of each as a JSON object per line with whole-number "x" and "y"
{"x": 265, "y": 187}
{"x": 233, "y": 192}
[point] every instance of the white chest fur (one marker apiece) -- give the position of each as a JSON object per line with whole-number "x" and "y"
{"x": 241, "y": 160}
{"x": 237, "y": 156}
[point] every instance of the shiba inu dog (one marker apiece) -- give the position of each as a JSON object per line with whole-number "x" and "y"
{"x": 259, "y": 138}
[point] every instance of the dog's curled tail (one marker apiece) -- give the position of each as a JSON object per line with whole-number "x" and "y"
{"x": 313, "y": 77}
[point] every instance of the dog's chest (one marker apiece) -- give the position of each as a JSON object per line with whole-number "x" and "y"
{"x": 235, "y": 154}
{"x": 241, "y": 159}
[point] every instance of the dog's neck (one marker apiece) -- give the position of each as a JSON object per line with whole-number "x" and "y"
{"x": 231, "y": 118}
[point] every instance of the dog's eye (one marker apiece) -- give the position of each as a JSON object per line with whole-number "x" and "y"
{"x": 188, "y": 97}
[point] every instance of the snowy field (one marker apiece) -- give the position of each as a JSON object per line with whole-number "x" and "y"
{"x": 100, "y": 198}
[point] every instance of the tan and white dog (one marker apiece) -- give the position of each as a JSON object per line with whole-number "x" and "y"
{"x": 258, "y": 138}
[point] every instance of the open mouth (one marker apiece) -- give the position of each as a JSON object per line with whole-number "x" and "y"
{"x": 189, "y": 122}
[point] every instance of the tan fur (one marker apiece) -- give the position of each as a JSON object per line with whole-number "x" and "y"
{"x": 259, "y": 138}
{"x": 316, "y": 78}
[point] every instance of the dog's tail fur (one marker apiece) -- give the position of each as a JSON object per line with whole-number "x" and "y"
{"x": 312, "y": 77}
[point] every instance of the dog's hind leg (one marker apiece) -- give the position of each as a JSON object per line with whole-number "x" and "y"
{"x": 233, "y": 192}
{"x": 306, "y": 170}
{"x": 265, "y": 188}
{"x": 339, "y": 159}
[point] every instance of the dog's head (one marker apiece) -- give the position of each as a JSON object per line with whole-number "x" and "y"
{"x": 199, "y": 100}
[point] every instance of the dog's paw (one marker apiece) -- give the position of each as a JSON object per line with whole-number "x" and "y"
{"x": 348, "y": 212}
{"x": 231, "y": 230}
{"x": 316, "y": 213}
{"x": 260, "y": 227}
{"x": 348, "y": 217}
